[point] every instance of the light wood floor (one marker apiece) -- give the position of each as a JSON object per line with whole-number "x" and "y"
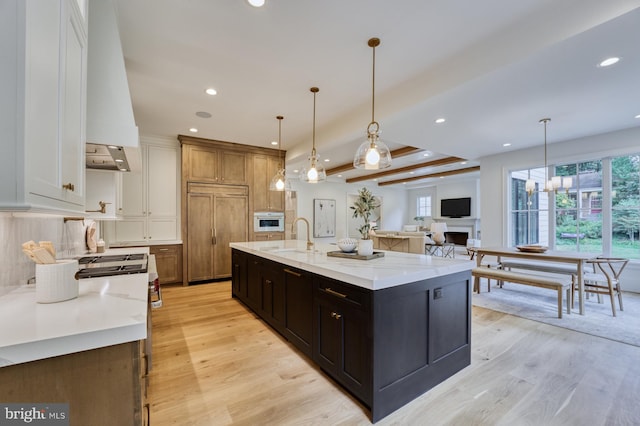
{"x": 215, "y": 363}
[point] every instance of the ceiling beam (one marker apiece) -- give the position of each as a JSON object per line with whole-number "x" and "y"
{"x": 400, "y": 152}
{"x": 431, "y": 175}
{"x": 432, "y": 163}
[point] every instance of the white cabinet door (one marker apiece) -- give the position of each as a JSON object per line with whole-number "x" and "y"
{"x": 162, "y": 184}
{"x": 133, "y": 194}
{"x": 53, "y": 96}
{"x": 149, "y": 198}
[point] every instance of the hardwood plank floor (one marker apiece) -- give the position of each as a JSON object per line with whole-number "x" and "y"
{"x": 216, "y": 363}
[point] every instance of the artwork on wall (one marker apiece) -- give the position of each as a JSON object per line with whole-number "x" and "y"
{"x": 324, "y": 218}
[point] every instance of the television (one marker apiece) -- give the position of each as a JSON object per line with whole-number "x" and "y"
{"x": 455, "y": 207}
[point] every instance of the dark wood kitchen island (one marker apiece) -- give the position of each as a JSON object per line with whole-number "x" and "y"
{"x": 386, "y": 329}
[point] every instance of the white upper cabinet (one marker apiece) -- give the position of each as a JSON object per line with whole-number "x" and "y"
{"x": 149, "y": 199}
{"x": 43, "y": 105}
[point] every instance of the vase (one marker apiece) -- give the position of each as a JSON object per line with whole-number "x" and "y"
{"x": 365, "y": 247}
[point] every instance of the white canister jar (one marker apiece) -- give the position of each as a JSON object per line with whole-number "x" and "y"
{"x": 56, "y": 282}
{"x": 365, "y": 247}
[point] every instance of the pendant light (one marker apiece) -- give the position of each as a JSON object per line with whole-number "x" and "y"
{"x": 372, "y": 154}
{"x": 280, "y": 182}
{"x": 555, "y": 182}
{"x": 314, "y": 173}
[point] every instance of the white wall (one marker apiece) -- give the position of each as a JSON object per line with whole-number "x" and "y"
{"x": 394, "y": 205}
{"x": 494, "y": 172}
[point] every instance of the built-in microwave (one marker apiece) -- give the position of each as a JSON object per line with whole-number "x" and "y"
{"x": 268, "y": 222}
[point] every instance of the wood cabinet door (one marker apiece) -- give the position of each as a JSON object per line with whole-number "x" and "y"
{"x": 233, "y": 168}
{"x": 264, "y": 167}
{"x": 229, "y": 225}
{"x": 202, "y": 164}
{"x": 200, "y": 262}
{"x": 168, "y": 263}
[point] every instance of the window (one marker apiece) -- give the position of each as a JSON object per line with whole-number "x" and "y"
{"x": 600, "y": 213}
{"x": 625, "y": 206}
{"x": 423, "y": 206}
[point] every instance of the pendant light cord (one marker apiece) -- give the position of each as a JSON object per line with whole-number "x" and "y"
{"x": 373, "y": 85}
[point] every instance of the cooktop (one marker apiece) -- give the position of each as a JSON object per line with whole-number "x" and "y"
{"x": 104, "y": 266}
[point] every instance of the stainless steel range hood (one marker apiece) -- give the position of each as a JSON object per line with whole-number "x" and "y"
{"x": 111, "y": 130}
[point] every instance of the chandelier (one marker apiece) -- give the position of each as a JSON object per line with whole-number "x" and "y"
{"x": 556, "y": 182}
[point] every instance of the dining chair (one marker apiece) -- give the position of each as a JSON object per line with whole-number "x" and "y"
{"x": 605, "y": 279}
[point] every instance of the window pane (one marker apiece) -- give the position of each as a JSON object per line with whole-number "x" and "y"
{"x": 625, "y": 200}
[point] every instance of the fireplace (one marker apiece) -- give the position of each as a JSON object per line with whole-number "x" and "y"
{"x": 457, "y": 238}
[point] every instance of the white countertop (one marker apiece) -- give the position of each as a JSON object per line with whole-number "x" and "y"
{"x": 393, "y": 269}
{"x": 107, "y": 311}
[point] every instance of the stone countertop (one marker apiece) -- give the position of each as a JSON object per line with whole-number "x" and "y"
{"x": 395, "y": 268}
{"x": 108, "y": 311}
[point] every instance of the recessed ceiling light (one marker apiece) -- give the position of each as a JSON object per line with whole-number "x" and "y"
{"x": 203, "y": 114}
{"x": 119, "y": 160}
{"x": 326, "y": 160}
{"x": 637, "y": 116}
{"x": 440, "y": 120}
{"x": 193, "y": 130}
{"x": 463, "y": 162}
{"x": 211, "y": 91}
{"x": 609, "y": 61}
{"x": 256, "y": 3}
{"x": 339, "y": 175}
{"x": 506, "y": 144}
{"x": 274, "y": 142}
{"x": 426, "y": 154}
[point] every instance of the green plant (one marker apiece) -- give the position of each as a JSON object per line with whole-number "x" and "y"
{"x": 419, "y": 219}
{"x": 363, "y": 207}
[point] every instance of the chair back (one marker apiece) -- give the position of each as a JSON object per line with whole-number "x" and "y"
{"x": 611, "y": 267}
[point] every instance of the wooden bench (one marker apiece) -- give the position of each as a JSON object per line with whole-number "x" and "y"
{"x": 553, "y": 267}
{"x": 553, "y": 283}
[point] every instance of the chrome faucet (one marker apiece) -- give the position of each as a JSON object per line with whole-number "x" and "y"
{"x": 309, "y": 242}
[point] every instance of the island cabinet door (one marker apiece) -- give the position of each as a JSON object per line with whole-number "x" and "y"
{"x": 239, "y": 274}
{"x": 253, "y": 298}
{"x": 298, "y": 319}
{"x": 343, "y": 336}
{"x": 272, "y": 306}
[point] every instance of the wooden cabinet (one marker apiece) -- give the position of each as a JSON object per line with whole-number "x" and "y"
{"x": 268, "y": 236}
{"x": 44, "y": 121}
{"x": 215, "y": 165}
{"x": 148, "y": 199}
{"x": 343, "y": 340}
{"x": 263, "y": 168}
{"x": 168, "y": 262}
{"x": 216, "y": 216}
{"x": 104, "y": 386}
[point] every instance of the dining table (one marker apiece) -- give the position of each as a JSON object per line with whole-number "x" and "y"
{"x": 571, "y": 257}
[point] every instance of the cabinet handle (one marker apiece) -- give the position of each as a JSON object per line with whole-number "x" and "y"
{"x": 268, "y": 282}
{"x": 148, "y": 408}
{"x": 336, "y": 315}
{"x": 289, "y": 271}
{"x": 69, "y": 187}
{"x": 163, "y": 249}
{"x": 149, "y": 213}
{"x": 335, "y": 293}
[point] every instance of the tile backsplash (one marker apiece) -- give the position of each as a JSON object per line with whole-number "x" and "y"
{"x": 15, "y": 268}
